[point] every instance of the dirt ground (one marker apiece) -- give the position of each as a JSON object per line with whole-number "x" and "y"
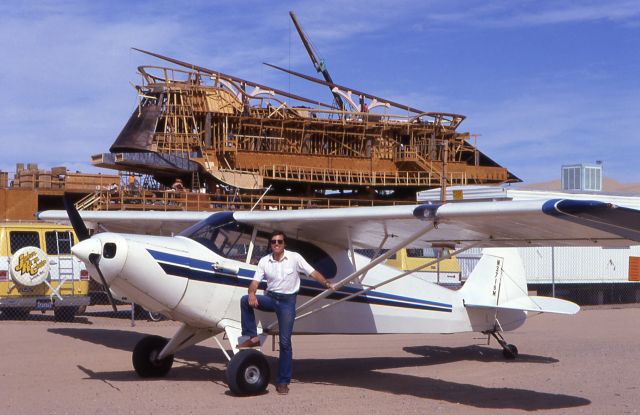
{"x": 585, "y": 364}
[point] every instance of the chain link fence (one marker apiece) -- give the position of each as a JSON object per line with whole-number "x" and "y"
{"x": 67, "y": 294}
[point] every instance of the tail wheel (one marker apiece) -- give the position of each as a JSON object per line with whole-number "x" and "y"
{"x": 248, "y": 373}
{"x": 145, "y": 357}
{"x": 510, "y": 351}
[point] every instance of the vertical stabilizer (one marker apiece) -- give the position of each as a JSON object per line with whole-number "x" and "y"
{"x": 498, "y": 282}
{"x": 497, "y": 279}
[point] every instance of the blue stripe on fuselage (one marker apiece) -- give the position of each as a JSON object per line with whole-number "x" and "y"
{"x": 203, "y": 271}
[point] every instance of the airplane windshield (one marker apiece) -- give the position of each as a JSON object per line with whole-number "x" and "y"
{"x": 225, "y": 236}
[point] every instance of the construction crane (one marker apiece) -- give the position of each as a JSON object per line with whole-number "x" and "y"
{"x": 318, "y": 64}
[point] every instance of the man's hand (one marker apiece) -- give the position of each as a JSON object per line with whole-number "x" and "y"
{"x": 253, "y": 288}
{"x": 323, "y": 280}
{"x": 253, "y": 300}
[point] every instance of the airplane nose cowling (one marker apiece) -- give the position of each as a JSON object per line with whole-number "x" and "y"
{"x": 111, "y": 252}
{"x": 85, "y": 248}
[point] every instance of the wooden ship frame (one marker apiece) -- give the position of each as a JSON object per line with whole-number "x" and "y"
{"x": 225, "y": 135}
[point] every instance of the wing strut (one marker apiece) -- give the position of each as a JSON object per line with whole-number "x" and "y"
{"x": 385, "y": 282}
{"x": 362, "y": 270}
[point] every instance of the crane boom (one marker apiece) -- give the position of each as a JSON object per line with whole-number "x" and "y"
{"x": 318, "y": 64}
{"x": 346, "y": 88}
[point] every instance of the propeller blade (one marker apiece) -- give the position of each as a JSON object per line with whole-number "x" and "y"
{"x": 95, "y": 260}
{"x": 74, "y": 217}
{"x": 83, "y": 233}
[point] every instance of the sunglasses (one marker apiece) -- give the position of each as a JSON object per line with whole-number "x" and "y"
{"x": 277, "y": 241}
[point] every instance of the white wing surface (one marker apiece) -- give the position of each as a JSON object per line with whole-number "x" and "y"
{"x": 501, "y": 224}
{"x": 553, "y": 222}
{"x": 131, "y": 221}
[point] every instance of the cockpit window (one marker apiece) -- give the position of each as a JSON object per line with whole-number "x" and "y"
{"x": 222, "y": 234}
{"x": 226, "y": 237}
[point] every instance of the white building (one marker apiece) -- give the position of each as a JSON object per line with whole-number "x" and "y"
{"x": 557, "y": 265}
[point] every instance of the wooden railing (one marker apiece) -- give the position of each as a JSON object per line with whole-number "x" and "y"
{"x": 166, "y": 200}
{"x": 348, "y": 177}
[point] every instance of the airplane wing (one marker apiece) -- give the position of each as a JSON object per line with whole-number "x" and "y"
{"x": 131, "y": 221}
{"x": 554, "y": 222}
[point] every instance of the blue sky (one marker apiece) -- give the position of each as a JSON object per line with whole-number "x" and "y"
{"x": 544, "y": 83}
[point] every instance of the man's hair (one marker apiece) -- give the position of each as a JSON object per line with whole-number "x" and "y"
{"x": 276, "y": 233}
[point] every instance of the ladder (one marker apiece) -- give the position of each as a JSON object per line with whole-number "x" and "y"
{"x": 66, "y": 265}
{"x": 195, "y": 181}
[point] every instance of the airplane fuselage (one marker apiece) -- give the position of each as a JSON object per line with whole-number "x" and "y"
{"x": 186, "y": 281}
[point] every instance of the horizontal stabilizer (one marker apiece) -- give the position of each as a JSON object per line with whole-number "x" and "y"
{"x": 535, "y": 304}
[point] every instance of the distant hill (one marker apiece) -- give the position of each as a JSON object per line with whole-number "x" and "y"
{"x": 610, "y": 186}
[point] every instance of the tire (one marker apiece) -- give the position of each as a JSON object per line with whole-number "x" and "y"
{"x": 65, "y": 313}
{"x": 510, "y": 352}
{"x": 19, "y": 313}
{"x": 144, "y": 358}
{"x": 248, "y": 373}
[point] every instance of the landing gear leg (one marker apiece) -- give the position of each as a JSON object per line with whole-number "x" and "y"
{"x": 509, "y": 351}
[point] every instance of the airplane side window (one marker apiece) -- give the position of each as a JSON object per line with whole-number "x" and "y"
{"x": 233, "y": 247}
{"x": 315, "y": 256}
{"x": 219, "y": 242}
{"x": 260, "y": 249}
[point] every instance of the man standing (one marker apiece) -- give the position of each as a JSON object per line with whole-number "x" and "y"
{"x": 282, "y": 270}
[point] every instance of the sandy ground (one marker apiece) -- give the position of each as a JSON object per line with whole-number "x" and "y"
{"x": 584, "y": 364}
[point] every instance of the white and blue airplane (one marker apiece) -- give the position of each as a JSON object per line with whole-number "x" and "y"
{"x": 198, "y": 276}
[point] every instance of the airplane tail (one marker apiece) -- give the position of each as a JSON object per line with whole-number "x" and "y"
{"x": 498, "y": 282}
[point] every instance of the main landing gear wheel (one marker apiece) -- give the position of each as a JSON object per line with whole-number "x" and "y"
{"x": 145, "y": 357}
{"x": 248, "y": 373}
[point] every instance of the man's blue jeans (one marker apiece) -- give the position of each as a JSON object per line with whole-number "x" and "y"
{"x": 284, "y": 305}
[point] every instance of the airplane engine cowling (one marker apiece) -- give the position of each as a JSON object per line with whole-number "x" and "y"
{"x": 144, "y": 281}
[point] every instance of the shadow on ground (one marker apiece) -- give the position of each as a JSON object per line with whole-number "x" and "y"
{"x": 48, "y": 316}
{"x": 359, "y": 372}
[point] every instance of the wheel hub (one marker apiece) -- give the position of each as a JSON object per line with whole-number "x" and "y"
{"x": 252, "y": 374}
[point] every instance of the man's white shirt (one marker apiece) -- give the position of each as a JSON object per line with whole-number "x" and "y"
{"x": 283, "y": 276}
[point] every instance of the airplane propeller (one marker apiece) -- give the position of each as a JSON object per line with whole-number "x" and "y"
{"x": 83, "y": 233}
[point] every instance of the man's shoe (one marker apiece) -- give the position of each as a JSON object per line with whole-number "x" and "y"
{"x": 282, "y": 388}
{"x": 249, "y": 343}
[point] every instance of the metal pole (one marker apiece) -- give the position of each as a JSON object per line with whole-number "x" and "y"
{"x": 553, "y": 272}
{"x": 438, "y": 252}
